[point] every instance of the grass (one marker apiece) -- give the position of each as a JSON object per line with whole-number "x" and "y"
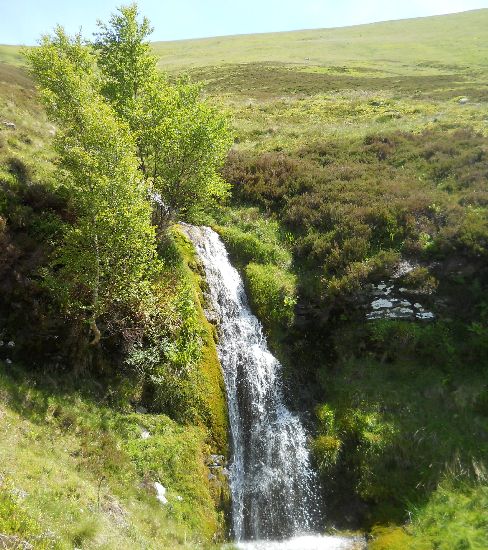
{"x": 376, "y": 111}
{"x": 75, "y": 471}
{"x": 453, "y": 518}
{"x": 430, "y": 41}
{"x": 352, "y": 149}
{"x": 11, "y": 55}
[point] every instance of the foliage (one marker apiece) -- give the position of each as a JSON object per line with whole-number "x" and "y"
{"x": 167, "y": 354}
{"x": 351, "y": 206}
{"x": 181, "y": 140}
{"x": 453, "y": 517}
{"x": 246, "y": 247}
{"x": 125, "y": 60}
{"x": 17, "y": 528}
{"x": 382, "y": 428}
{"x": 108, "y": 255}
{"x": 343, "y": 163}
{"x": 273, "y": 293}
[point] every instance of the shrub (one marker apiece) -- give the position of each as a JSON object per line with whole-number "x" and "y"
{"x": 244, "y": 247}
{"x": 435, "y": 342}
{"x": 421, "y": 279}
{"x": 166, "y": 353}
{"x": 17, "y": 527}
{"x": 326, "y": 449}
{"x": 272, "y": 292}
{"x": 453, "y": 518}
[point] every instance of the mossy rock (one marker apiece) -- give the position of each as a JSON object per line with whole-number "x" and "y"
{"x": 213, "y": 387}
{"x": 390, "y": 538}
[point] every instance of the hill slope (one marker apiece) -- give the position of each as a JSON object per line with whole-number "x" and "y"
{"x": 355, "y": 147}
{"x": 441, "y": 41}
{"x": 444, "y": 42}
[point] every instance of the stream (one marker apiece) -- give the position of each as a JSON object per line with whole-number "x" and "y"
{"x": 275, "y": 500}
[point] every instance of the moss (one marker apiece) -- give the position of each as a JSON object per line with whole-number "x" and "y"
{"x": 213, "y": 390}
{"x": 246, "y": 247}
{"x": 390, "y": 538}
{"x": 272, "y": 292}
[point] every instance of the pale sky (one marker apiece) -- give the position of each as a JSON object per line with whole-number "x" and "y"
{"x": 23, "y": 21}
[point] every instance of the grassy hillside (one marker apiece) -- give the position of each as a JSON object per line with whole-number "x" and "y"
{"x": 11, "y": 55}
{"x": 75, "y": 470}
{"x": 354, "y": 149}
{"x": 371, "y": 151}
{"x": 442, "y": 43}
{"x": 433, "y": 44}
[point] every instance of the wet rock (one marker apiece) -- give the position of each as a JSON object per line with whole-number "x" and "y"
{"x": 403, "y": 267}
{"x": 425, "y": 315}
{"x": 381, "y": 303}
{"x": 388, "y": 302}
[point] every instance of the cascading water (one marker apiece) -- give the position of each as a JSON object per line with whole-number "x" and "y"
{"x": 271, "y": 481}
{"x": 270, "y": 475}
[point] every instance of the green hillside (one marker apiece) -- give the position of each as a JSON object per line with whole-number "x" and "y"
{"x": 356, "y": 151}
{"x": 11, "y": 55}
{"x": 447, "y": 42}
{"x": 442, "y": 43}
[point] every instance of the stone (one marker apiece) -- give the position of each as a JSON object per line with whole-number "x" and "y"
{"x": 20, "y": 493}
{"x": 144, "y": 433}
{"x": 160, "y": 492}
{"x": 403, "y": 267}
{"x": 8, "y": 124}
{"x": 12, "y": 541}
{"x": 381, "y": 303}
{"x": 463, "y": 101}
{"x": 141, "y": 410}
{"x": 425, "y": 315}
{"x": 380, "y": 314}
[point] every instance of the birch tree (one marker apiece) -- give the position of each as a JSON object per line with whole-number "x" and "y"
{"x": 181, "y": 140}
{"x": 108, "y": 255}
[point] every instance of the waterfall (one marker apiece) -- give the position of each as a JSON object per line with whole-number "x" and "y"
{"x": 271, "y": 481}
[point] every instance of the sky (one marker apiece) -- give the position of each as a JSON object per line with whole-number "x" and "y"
{"x": 24, "y": 21}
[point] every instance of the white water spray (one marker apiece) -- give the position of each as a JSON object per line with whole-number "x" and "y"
{"x": 271, "y": 481}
